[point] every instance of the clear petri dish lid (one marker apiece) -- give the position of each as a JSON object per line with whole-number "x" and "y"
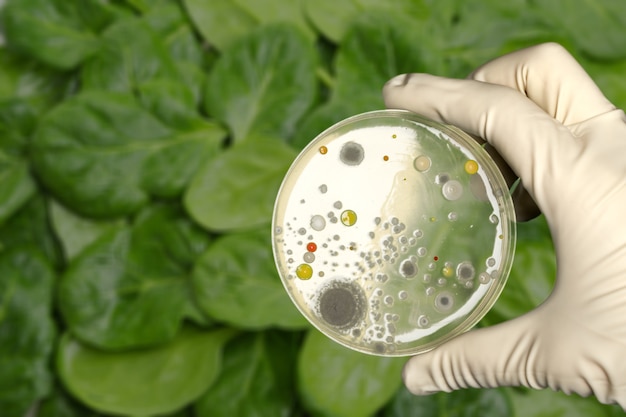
{"x": 393, "y": 233}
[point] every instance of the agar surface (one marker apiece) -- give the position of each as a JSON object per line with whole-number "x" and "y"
{"x": 354, "y": 228}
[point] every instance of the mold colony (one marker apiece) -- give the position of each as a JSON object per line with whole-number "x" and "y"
{"x": 389, "y": 234}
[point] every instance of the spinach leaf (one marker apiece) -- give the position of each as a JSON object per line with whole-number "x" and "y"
{"x": 235, "y": 281}
{"x": 595, "y": 27}
{"x": 547, "y": 403}
{"x": 145, "y": 382}
{"x": 136, "y": 281}
{"x": 173, "y": 105}
{"x": 16, "y": 184}
{"x": 462, "y": 403}
{"x": 74, "y": 232}
{"x": 336, "y": 381}
{"x": 131, "y": 54}
{"x": 61, "y": 404}
{"x": 256, "y": 379}
{"x": 18, "y": 118}
{"x": 332, "y": 18}
{"x": 115, "y": 154}
{"x": 222, "y": 22}
{"x": 21, "y": 78}
{"x": 169, "y": 21}
{"x": 30, "y": 227}
{"x": 237, "y": 190}
{"x": 59, "y": 33}
{"x": 610, "y": 79}
{"x": 27, "y": 330}
{"x": 375, "y": 49}
{"x": 264, "y": 83}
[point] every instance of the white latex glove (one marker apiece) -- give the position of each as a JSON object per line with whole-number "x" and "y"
{"x": 567, "y": 143}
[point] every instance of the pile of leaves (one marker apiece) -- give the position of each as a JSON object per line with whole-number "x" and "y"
{"x": 142, "y": 143}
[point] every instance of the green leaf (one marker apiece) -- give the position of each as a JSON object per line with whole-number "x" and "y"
{"x": 21, "y": 77}
{"x": 27, "y": 330}
{"x": 462, "y": 403}
{"x": 321, "y": 119}
{"x": 237, "y": 190}
{"x": 130, "y": 288}
{"x": 132, "y": 53}
{"x": 30, "y": 227}
{"x": 74, "y": 232}
{"x": 257, "y": 378}
{"x": 548, "y": 403}
{"x": 169, "y": 21}
{"x": 144, "y": 382}
{"x": 60, "y": 404}
{"x": 235, "y": 281}
{"x": 332, "y": 18}
{"x": 264, "y": 83}
{"x": 18, "y": 118}
{"x": 596, "y": 27}
{"x": 610, "y": 78}
{"x": 339, "y": 382}
{"x": 222, "y": 22}
{"x": 59, "y": 33}
{"x": 16, "y": 185}
{"x": 103, "y": 155}
{"x": 375, "y": 49}
{"x": 173, "y": 105}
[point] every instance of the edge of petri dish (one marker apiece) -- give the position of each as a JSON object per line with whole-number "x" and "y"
{"x": 507, "y": 223}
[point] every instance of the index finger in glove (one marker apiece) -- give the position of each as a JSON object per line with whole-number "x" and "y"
{"x": 534, "y": 144}
{"x": 550, "y": 77}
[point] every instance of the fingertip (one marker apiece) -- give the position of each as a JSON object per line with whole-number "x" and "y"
{"x": 417, "y": 378}
{"x": 397, "y": 81}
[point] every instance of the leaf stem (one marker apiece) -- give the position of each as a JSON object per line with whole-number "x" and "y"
{"x": 325, "y": 77}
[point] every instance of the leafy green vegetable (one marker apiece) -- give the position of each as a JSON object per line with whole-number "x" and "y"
{"x": 336, "y": 381}
{"x": 21, "y": 78}
{"x": 332, "y": 18}
{"x": 74, "y": 232}
{"x": 56, "y": 32}
{"x": 30, "y": 227}
{"x": 18, "y": 118}
{"x": 546, "y": 403}
{"x": 61, "y": 404}
{"x": 235, "y": 281}
{"x": 596, "y": 27}
{"x": 115, "y": 154}
{"x": 222, "y": 22}
{"x": 375, "y": 49}
{"x": 237, "y": 190}
{"x": 142, "y": 143}
{"x": 264, "y": 83}
{"x": 610, "y": 80}
{"x": 463, "y": 403}
{"x": 257, "y": 378}
{"x": 130, "y": 287}
{"x": 143, "y": 382}
{"x": 131, "y": 54}
{"x": 169, "y": 21}
{"x": 16, "y": 185}
{"x": 27, "y": 331}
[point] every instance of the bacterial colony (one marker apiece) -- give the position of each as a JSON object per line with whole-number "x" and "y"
{"x": 391, "y": 236}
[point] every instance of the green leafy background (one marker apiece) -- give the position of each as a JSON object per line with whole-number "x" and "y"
{"x": 142, "y": 143}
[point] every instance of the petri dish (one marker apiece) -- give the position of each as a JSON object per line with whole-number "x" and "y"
{"x": 393, "y": 233}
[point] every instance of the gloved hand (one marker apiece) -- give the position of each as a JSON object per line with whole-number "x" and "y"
{"x": 567, "y": 143}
